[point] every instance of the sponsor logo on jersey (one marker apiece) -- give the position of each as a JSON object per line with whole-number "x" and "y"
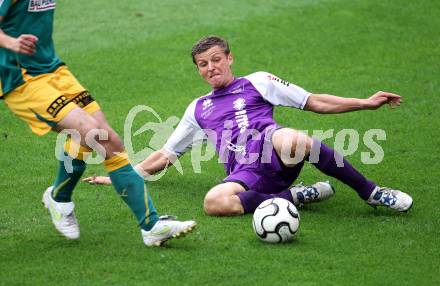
{"x": 207, "y": 108}
{"x": 240, "y": 115}
{"x": 239, "y": 104}
{"x": 41, "y": 5}
{"x": 274, "y": 78}
{"x": 207, "y": 103}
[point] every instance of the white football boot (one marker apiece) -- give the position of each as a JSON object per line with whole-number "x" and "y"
{"x": 63, "y": 217}
{"x": 317, "y": 192}
{"x": 167, "y": 227}
{"x": 394, "y": 199}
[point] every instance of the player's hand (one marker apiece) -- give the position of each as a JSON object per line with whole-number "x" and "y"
{"x": 98, "y": 180}
{"x": 380, "y": 98}
{"x": 24, "y": 44}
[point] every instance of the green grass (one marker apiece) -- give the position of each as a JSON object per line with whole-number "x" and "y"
{"x": 137, "y": 52}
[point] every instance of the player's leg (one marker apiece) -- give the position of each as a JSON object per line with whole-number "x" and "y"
{"x": 73, "y": 153}
{"x": 326, "y": 160}
{"x": 128, "y": 184}
{"x": 41, "y": 104}
{"x": 223, "y": 200}
{"x": 58, "y": 197}
{"x": 72, "y": 164}
{"x": 131, "y": 188}
{"x": 322, "y": 157}
{"x": 242, "y": 192}
{"x": 85, "y": 119}
{"x": 248, "y": 187}
{"x": 230, "y": 198}
{"x": 251, "y": 199}
{"x": 68, "y": 175}
{"x": 273, "y": 181}
{"x": 298, "y": 195}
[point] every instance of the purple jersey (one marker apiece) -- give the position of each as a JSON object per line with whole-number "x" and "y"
{"x": 236, "y": 119}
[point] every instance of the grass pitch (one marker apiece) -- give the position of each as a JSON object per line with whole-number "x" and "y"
{"x": 137, "y": 52}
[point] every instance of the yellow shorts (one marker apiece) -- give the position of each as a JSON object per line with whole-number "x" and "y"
{"x": 44, "y": 100}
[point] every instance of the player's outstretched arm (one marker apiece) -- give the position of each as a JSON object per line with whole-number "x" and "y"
{"x": 325, "y": 103}
{"x": 24, "y": 44}
{"x": 154, "y": 163}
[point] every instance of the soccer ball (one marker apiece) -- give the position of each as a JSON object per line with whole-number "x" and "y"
{"x": 276, "y": 220}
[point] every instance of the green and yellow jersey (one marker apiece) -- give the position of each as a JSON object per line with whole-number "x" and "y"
{"x": 27, "y": 17}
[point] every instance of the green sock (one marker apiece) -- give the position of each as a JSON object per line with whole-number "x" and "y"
{"x": 131, "y": 187}
{"x": 67, "y": 177}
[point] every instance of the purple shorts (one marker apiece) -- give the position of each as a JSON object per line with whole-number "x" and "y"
{"x": 269, "y": 178}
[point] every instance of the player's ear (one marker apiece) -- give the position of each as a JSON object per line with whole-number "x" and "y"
{"x": 230, "y": 58}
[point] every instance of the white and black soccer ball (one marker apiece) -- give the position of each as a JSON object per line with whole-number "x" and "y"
{"x": 276, "y": 220}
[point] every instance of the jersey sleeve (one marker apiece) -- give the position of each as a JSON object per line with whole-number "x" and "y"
{"x": 187, "y": 133}
{"x": 278, "y": 91}
{"x": 4, "y": 7}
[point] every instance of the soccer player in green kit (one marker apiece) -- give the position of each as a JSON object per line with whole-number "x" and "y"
{"x": 39, "y": 88}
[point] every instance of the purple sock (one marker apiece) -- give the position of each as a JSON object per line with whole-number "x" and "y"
{"x": 327, "y": 160}
{"x": 250, "y": 200}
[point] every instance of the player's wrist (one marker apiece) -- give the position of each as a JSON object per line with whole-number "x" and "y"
{"x": 141, "y": 171}
{"x": 6, "y": 41}
{"x": 12, "y": 44}
{"x": 365, "y": 103}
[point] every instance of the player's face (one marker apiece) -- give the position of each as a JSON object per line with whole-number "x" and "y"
{"x": 215, "y": 67}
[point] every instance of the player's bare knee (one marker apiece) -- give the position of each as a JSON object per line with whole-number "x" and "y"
{"x": 221, "y": 200}
{"x": 221, "y": 206}
{"x": 114, "y": 141}
{"x": 291, "y": 145}
{"x": 210, "y": 203}
{"x": 86, "y": 129}
{"x": 215, "y": 205}
{"x": 105, "y": 141}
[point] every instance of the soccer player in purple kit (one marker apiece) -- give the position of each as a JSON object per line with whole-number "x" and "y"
{"x": 237, "y": 116}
